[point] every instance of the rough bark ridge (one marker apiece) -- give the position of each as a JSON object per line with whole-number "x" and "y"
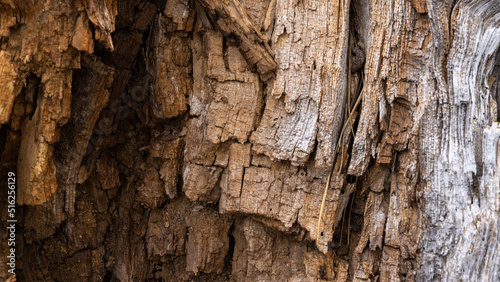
{"x": 188, "y": 140}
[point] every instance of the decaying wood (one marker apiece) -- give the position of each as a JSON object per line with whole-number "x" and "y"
{"x": 90, "y": 96}
{"x": 240, "y": 140}
{"x": 465, "y": 174}
{"x": 170, "y": 62}
{"x": 233, "y": 21}
{"x": 305, "y": 104}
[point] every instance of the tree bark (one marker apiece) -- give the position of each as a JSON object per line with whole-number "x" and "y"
{"x": 240, "y": 140}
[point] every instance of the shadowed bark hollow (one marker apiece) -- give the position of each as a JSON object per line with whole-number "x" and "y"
{"x": 251, "y": 140}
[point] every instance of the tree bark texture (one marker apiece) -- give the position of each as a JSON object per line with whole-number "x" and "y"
{"x": 252, "y": 140}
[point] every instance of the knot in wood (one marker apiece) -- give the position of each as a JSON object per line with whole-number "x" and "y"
{"x": 357, "y": 58}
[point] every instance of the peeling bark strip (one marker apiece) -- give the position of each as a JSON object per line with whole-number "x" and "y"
{"x": 189, "y": 140}
{"x": 395, "y": 56}
{"x": 170, "y": 62}
{"x": 90, "y": 96}
{"x": 232, "y": 19}
{"x": 36, "y": 168}
{"x": 102, "y": 14}
{"x": 306, "y": 102}
{"x": 8, "y": 77}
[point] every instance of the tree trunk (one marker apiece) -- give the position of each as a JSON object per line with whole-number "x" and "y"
{"x": 251, "y": 140}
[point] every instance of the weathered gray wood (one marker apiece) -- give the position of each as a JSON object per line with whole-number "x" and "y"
{"x": 461, "y": 241}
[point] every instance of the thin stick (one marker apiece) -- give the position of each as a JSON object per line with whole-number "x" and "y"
{"x": 339, "y": 141}
{"x": 322, "y": 206}
{"x": 348, "y": 96}
{"x": 342, "y": 229}
{"x": 330, "y": 175}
